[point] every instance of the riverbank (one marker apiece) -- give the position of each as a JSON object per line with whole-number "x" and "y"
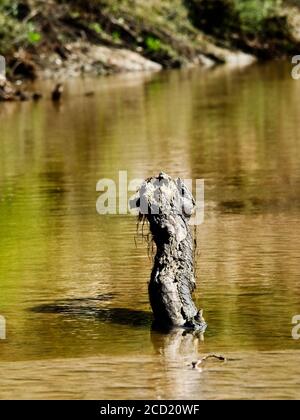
{"x": 60, "y": 39}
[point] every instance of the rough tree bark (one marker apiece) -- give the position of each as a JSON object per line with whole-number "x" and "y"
{"x": 168, "y": 205}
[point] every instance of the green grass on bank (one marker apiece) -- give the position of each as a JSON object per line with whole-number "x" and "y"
{"x": 172, "y": 32}
{"x": 15, "y": 30}
{"x": 260, "y": 27}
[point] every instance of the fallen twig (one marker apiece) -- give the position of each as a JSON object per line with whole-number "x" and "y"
{"x": 210, "y": 356}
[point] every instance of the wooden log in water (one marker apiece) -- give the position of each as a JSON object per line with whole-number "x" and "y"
{"x": 168, "y": 205}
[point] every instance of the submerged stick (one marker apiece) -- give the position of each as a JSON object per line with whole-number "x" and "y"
{"x": 199, "y": 362}
{"x": 168, "y": 205}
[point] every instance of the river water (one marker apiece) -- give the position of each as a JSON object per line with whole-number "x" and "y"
{"x": 73, "y": 284}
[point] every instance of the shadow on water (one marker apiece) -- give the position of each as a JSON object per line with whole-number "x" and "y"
{"x": 92, "y": 308}
{"x": 173, "y": 344}
{"x": 89, "y": 308}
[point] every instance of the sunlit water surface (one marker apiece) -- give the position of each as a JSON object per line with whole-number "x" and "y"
{"x": 73, "y": 284}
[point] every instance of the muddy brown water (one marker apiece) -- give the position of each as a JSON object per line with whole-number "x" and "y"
{"x": 73, "y": 284}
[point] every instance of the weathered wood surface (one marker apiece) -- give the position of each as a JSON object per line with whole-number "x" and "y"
{"x": 168, "y": 205}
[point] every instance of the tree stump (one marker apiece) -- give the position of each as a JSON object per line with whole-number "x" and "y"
{"x": 168, "y": 205}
